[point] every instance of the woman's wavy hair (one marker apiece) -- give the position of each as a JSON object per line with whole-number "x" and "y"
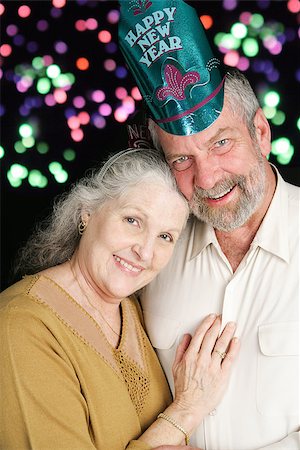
{"x": 55, "y": 239}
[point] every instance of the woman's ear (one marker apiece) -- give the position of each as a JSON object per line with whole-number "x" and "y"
{"x": 85, "y": 217}
{"x": 262, "y": 132}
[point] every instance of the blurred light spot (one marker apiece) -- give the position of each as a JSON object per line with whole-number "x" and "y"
{"x": 82, "y": 63}
{"x": 32, "y": 46}
{"x": 24, "y": 11}
{"x": 239, "y": 30}
{"x": 98, "y": 96}
{"x": 25, "y": 130}
{"x": 207, "y": 21}
{"x": 279, "y": 118}
{"x": 105, "y": 109}
{"x": 113, "y": 16}
{"x": 58, "y": 3}
{"x": 243, "y": 63}
{"x": 231, "y": 58}
{"x": 245, "y": 17}
{"x": 104, "y": 36}
{"x": 77, "y": 135}
{"x": 60, "y": 47}
{"x": 69, "y": 154}
{"x": 135, "y": 92}
{"x": 50, "y": 100}
{"x": 42, "y": 25}
{"x": 5, "y": 50}
{"x": 61, "y": 177}
{"x": 42, "y": 148}
{"x": 19, "y": 147}
{"x": 121, "y": 92}
{"x": 18, "y": 171}
{"x": 79, "y": 101}
{"x": 111, "y": 47}
{"x": 229, "y": 4}
{"x": 60, "y": 95}
{"x": 109, "y": 65}
{"x": 80, "y": 25}
{"x": 91, "y": 24}
{"x": 121, "y": 114}
{"x": 129, "y": 104}
{"x": 293, "y": 6}
{"x": 53, "y": 71}
{"x": 250, "y": 47}
{"x": 1, "y": 152}
{"x": 14, "y": 182}
{"x": 73, "y": 123}
{"x": 11, "y": 30}
{"x": 37, "y": 179}
{"x": 272, "y": 99}
{"x": 19, "y": 40}
{"x": 121, "y": 72}
{"x": 28, "y": 142}
{"x": 43, "y": 85}
{"x": 98, "y": 121}
{"x": 84, "y": 117}
{"x": 2, "y": 9}
{"x": 257, "y": 20}
{"x": 38, "y": 62}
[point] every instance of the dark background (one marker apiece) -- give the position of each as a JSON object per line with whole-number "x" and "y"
{"x": 22, "y": 206}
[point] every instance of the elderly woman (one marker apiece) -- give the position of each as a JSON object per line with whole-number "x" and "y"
{"x": 78, "y": 371}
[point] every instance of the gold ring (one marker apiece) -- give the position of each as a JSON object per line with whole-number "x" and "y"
{"x": 221, "y": 354}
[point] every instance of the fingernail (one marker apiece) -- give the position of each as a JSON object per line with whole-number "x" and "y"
{"x": 231, "y": 324}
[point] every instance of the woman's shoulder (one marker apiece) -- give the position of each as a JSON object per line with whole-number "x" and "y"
{"x": 18, "y": 293}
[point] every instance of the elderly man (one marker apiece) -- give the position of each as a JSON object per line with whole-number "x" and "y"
{"x": 239, "y": 255}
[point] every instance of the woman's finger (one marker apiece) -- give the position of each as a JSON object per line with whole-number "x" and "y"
{"x": 221, "y": 345}
{"x": 197, "y": 339}
{"x": 231, "y": 355}
{"x": 181, "y": 349}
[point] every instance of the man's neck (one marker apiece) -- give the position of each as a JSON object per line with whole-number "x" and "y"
{"x": 236, "y": 243}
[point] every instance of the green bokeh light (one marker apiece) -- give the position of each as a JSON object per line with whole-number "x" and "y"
{"x": 61, "y": 177}
{"x": 256, "y": 20}
{"x": 250, "y": 47}
{"x": 25, "y": 130}
{"x": 269, "y": 111}
{"x": 19, "y": 147}
{"x": 69, "y": 154}
{"x": 43, "y": 85}
{"x": 18, "y": 171}
{"x": 272, "y": 98}
{"x": 298, "y": 124}
{"x": 28, "y": 142}
{"x": 279, "y": 118}
{"x": 239, "y": 30}
{"x": 2, "y": 152}
{"x": 42, "y": 148}
{"x": 38, "y": 63}
{"x": 55, "y": 167}
{"x": 53, "y": 71}
{"x": 14, "y": 182}
{"x": 37, "y": 179}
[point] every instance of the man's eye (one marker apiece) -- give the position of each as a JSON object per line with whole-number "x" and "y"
{"x": 222, "y": 142}
{"x": 166, "y": 237}
{"x": 182, "y": 163}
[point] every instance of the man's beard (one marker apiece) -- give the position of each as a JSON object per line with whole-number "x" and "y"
{"x": 237, "y": 212}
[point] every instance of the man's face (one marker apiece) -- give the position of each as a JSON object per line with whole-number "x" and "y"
{"x": 221, "y": 170}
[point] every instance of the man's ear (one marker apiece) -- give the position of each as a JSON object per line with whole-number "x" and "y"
{"x": 262, "y": 132}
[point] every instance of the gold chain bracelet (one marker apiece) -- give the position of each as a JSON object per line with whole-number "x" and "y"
{"x": 175, "y": 424}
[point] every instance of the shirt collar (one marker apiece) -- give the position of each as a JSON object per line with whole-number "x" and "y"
{"x": 271, "y": 236}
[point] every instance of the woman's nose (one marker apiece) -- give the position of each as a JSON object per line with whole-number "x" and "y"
{"x": 144, "y": 248}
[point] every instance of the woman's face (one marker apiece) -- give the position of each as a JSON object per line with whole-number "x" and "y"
{"x": 130, "y": 240}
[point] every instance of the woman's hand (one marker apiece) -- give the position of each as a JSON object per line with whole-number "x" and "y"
{"x": 202, "y": 366}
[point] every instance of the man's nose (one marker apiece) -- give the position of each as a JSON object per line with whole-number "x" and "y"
{"x": 206, "y": 172}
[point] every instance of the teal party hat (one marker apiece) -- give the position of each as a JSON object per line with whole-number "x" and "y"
{"x": 166, "y": 49}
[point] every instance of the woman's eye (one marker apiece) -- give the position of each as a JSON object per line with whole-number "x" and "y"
{"x": 131, "y": 221}
{"x": 166, "y": 237}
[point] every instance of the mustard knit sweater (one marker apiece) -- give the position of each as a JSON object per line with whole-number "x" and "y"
{"x": 63, "y": 386}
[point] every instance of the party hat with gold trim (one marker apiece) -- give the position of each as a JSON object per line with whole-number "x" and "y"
{"x": 167, "y": 51}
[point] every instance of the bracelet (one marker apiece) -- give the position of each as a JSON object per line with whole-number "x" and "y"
{"x": 175, "y": 424}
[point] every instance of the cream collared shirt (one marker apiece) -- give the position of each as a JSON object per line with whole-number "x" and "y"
{"x": 261, "y": 406}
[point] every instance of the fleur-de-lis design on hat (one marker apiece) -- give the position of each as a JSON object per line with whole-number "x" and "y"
{"x": 139, "y": 6}
{"x": 176, "y": 83}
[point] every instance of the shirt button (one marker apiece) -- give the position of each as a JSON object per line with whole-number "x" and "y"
{"x": 213, "y": 412}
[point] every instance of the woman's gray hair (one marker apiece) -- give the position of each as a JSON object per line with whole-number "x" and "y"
{"x": 55, "y": 239}
{"x": 240, "y": 98}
